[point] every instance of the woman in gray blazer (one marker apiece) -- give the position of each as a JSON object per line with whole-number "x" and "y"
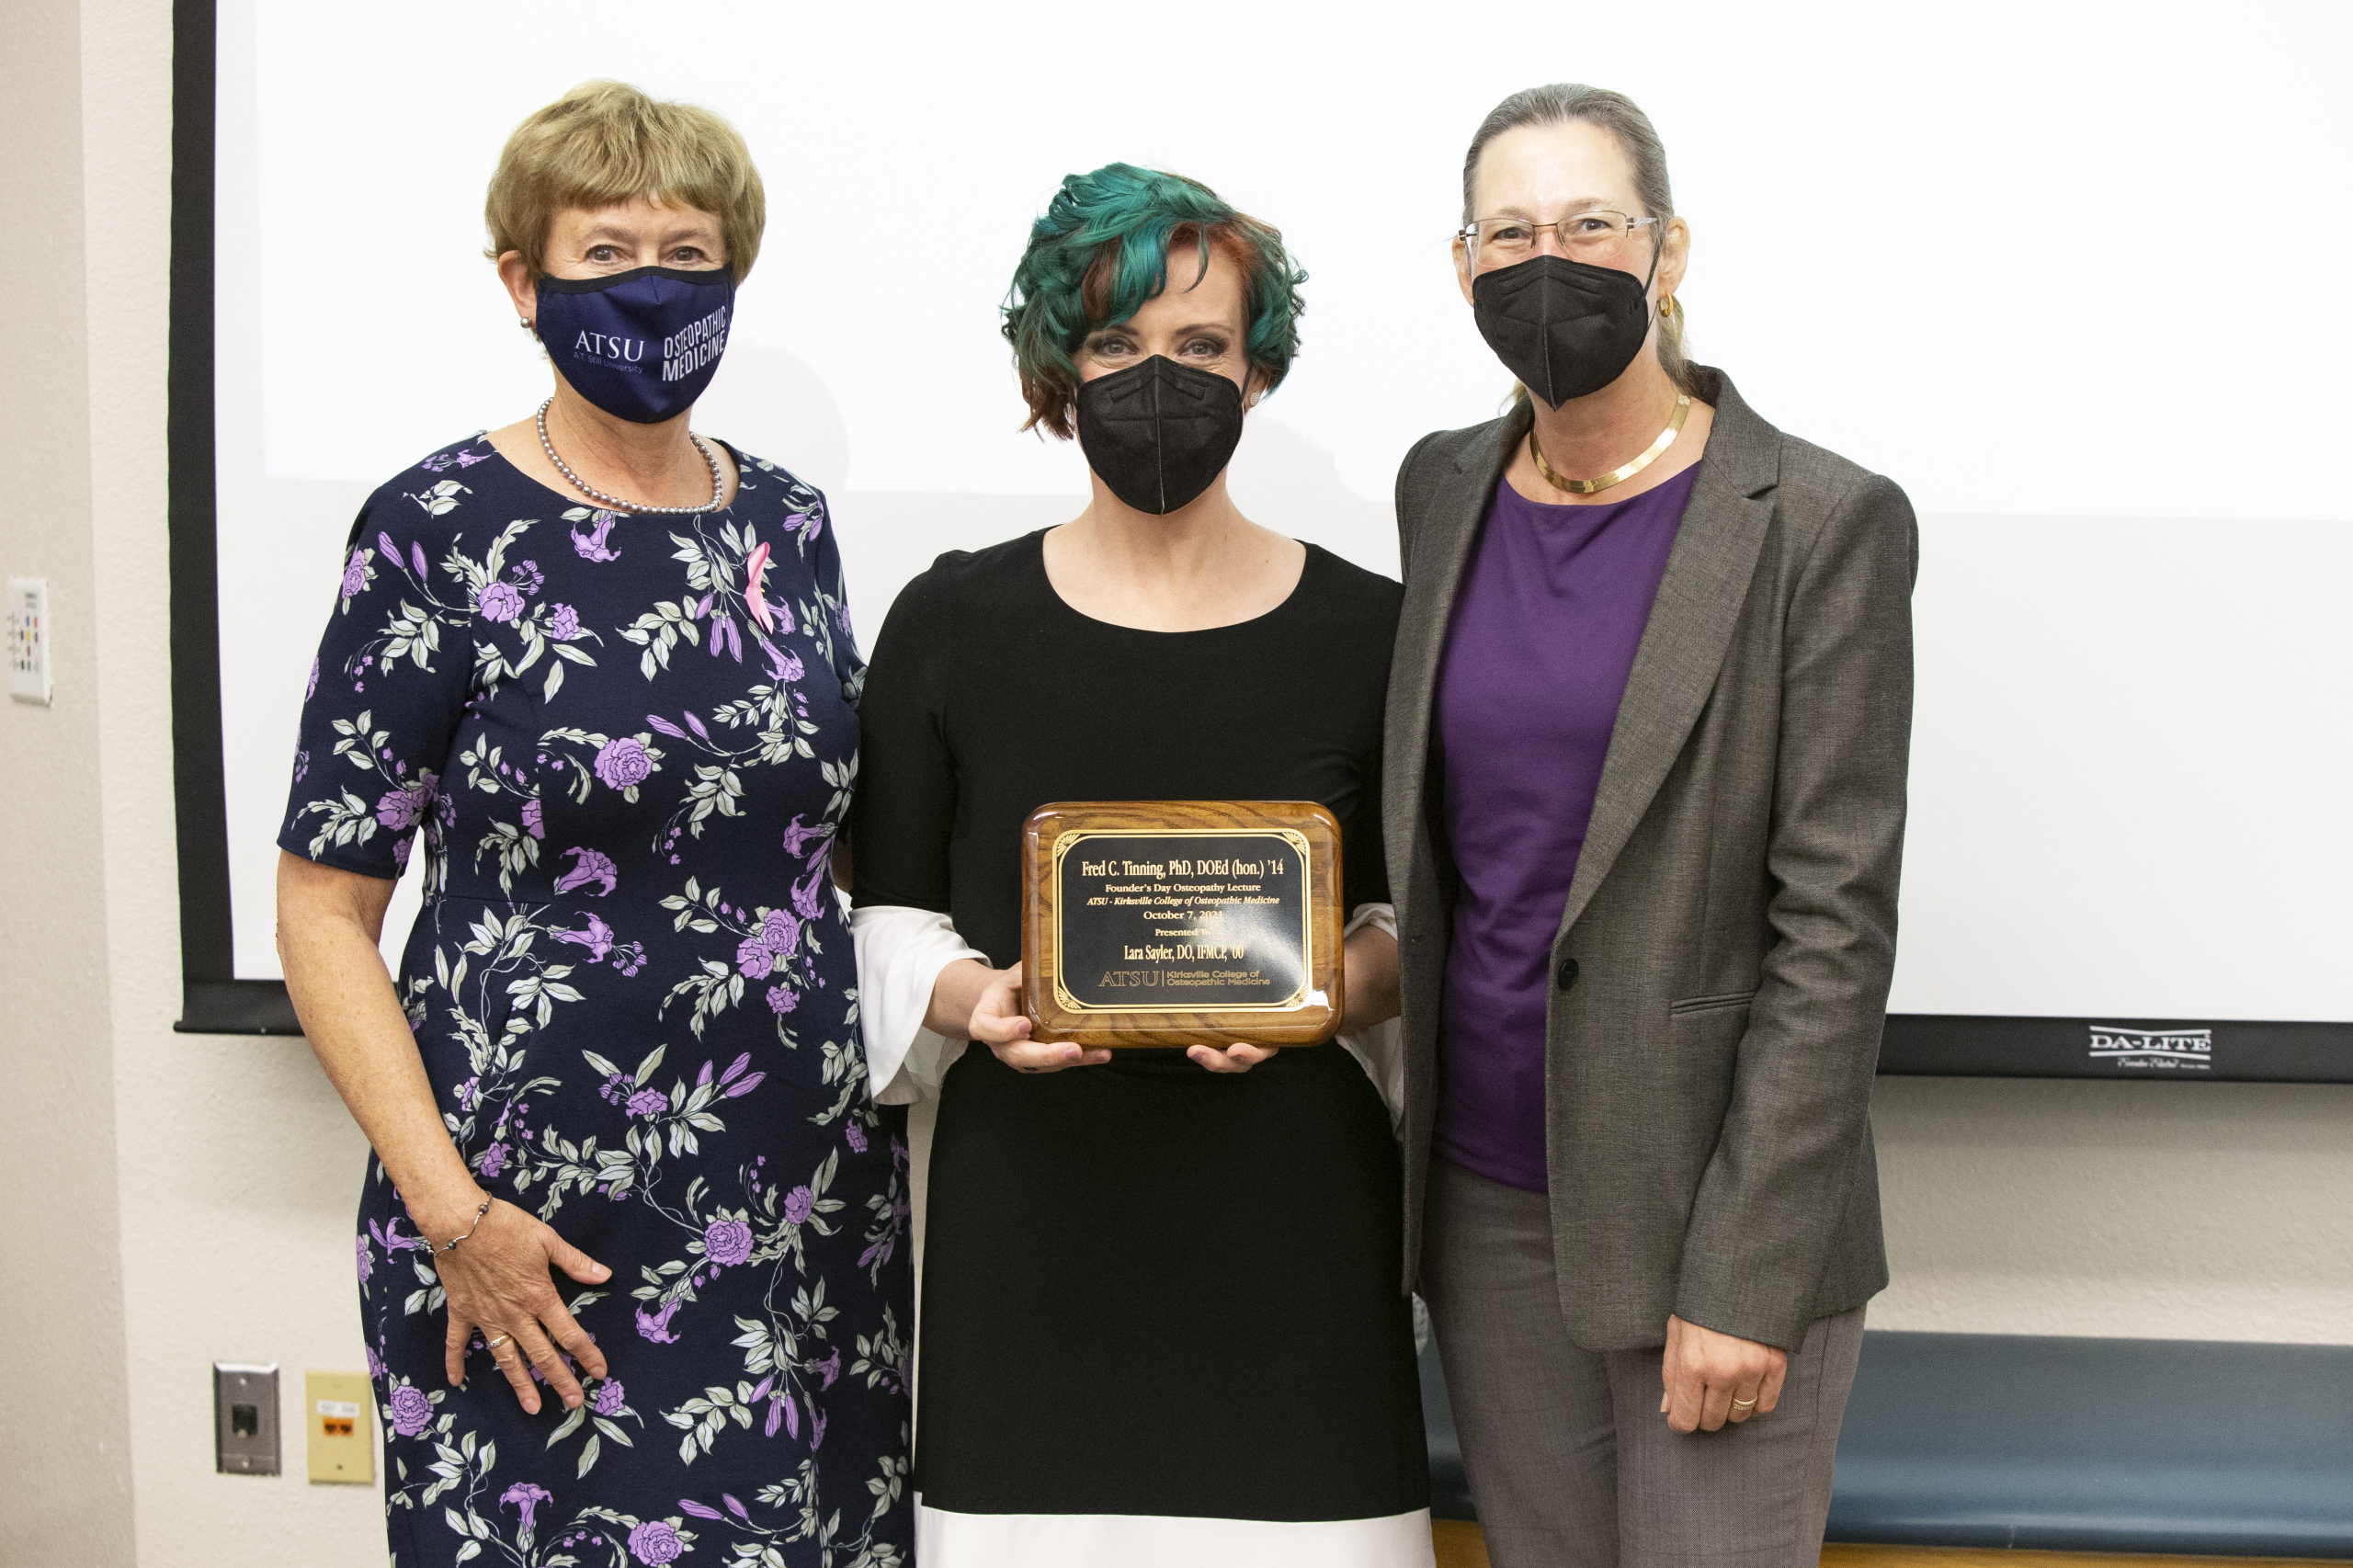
{"x": 1647, "y": 735}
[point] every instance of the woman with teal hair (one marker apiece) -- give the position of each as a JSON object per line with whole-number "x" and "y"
{"x": 1162, "y": 1321}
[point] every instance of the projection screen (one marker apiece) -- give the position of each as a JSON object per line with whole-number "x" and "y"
{"x": 2071, "y": 274}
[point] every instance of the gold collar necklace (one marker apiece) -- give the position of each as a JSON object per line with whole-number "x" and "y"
{"x": 1624, "y": 471}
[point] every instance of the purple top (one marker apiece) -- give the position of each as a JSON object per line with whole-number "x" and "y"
{"x": 1550, "y": 612}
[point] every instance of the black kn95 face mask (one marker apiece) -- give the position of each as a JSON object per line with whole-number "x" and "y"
{"x": 1563, "y": 327}
{"x": 1159, "y": 433}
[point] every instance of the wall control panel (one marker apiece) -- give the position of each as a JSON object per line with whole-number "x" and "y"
{"x": 28, "y": 631}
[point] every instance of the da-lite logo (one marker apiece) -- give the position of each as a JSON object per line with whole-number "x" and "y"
{"x": 2163, "y": 1051}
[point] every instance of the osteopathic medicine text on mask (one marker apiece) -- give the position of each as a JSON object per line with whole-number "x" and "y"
{"x": 689, "y": 350}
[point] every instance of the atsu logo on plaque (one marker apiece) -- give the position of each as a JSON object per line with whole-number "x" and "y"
{"x": 2163, "y": 1051}
{"x": 1182, "y": 922}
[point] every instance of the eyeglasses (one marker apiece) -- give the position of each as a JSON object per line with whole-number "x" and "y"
{"x": 1517, "y": 237}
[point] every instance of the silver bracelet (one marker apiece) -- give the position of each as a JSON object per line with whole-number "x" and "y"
{"x": 452, "y": 1245}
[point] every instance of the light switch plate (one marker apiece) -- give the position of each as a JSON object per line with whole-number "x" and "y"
{"x": 28, "y": 639}
{"x": 244, "y": 1419}
{"x": 335, "y": 1415}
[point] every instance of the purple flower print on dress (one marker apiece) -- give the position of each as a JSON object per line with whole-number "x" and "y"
{"x": 528, "y": 577}
{"x": 355, "y": 573}
{"x": 782, "y": 999}
{"x": 630, "y": 958}
{"x": 648, "y": 1104}
{"x": 798, "y": 1204}
{"x": 829, "y": 1369}
{"x": 400, "y": 853}
{"x": 301, "y": 764}
{"x": 753, "y": 957}
{"x": 412, "y": 1412}
{"x": 375, "y": 1363}
{"x": 469, "y": 1093}
{"x": 499, "y": 601}
{"x": 563, "y": 623}
{"x": 809, "y": 524}
{"x": 399, "y": 809}
{"x": 366, "y": 1259}
{"x": 609, "y": 1398}
{"x": 779, "y": 933}
{"x": 534, "y": 819}
{"x": 855, "y": 1136}
{"x": 591, "y": 546}
{"x": 312, "y": 689}
{"x": 593, "y": 866}
{"x": 727, "y": 1242}
{"x": 654, "y": 1542}
{"x": 806, "y": 898}
{"x": 656, "y": 1326}
{"x": 598, "y": 939}
{"x": 494, "y": 1159}
{"x": 795, "y": 835}
{"x": 524, "y": 1498}
{"x": 623, "y": 763}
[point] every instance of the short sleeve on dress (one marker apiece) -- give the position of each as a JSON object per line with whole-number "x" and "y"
{"x": 904, "y": 810}
{"x": 387, "y": 694}
{"x": 832, "y": 600}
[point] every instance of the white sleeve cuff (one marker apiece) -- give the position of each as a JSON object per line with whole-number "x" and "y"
{"x": 899, "y": 954}
{"x": 1380, "y": 1050}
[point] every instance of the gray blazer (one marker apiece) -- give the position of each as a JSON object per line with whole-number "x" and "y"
{"x": 1722, "y": 966}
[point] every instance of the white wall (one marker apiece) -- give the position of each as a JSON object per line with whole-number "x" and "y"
{"x": 167, "y": 1201}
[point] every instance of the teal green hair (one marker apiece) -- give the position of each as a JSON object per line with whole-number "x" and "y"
{"x": 1101, "y": 250}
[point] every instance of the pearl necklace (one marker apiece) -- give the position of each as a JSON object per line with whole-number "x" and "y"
{"x": 718, "y": 483}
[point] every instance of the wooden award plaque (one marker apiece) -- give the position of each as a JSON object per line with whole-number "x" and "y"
{"x": 1181, "y": 922}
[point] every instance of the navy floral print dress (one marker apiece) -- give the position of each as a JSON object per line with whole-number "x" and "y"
{"x": 627, "y": 742}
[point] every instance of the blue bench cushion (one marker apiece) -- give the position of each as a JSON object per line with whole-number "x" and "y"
{"x": 2176, "y": 1446}
{"x": 2098, "y": 1445}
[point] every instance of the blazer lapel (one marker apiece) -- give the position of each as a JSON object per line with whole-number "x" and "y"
{"x": 1441, "y": 548}
{"x": 1690, "y": 626}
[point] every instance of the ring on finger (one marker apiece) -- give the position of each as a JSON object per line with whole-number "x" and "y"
{"x": 494, "y": 1342}
{"x": 1744, "y": 1404}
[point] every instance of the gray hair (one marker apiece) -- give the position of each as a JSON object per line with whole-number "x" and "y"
{"x": 1562, "y": 103}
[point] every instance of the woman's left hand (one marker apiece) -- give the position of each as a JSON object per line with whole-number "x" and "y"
{"x": 1713, "y": 1378}
{"x": 1238, "y": 1058}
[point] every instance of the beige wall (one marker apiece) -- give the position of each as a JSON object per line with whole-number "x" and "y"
{"x": 167, "y": 1201}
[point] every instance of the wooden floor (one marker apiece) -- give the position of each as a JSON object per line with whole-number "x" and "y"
{"x": 1459, "y": 1546}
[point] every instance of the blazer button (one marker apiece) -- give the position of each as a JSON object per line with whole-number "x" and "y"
{"x": 1568, "y": 974}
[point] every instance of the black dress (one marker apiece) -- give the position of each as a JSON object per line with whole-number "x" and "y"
{"x": 1149, "y": 1289}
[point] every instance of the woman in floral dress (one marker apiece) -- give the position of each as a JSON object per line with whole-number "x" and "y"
{"x": 632, "y": 1250}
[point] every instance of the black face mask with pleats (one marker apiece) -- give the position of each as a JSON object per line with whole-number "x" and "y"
{"x": 1159, "y": 433}
{"x": 1564, "y": 328}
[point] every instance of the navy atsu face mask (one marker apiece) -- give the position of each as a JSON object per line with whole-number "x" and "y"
{"x": 1158, "y": 433}
{"x": 641, "y": 345}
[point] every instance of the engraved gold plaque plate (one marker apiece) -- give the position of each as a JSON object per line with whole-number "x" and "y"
{"x": 1159, "y": 923}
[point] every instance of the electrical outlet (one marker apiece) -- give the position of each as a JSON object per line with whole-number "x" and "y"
{"x": 28, "y": 639}
{"x": 334, "y": 1414}
{"x": 244, "y": 1419}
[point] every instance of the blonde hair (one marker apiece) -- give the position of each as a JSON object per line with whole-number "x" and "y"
{"x": 1559, "y": 104}
{"x": 605, "y": 143}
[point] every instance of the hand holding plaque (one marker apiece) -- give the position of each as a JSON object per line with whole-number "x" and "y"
{"x": 1161, "y": 923}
